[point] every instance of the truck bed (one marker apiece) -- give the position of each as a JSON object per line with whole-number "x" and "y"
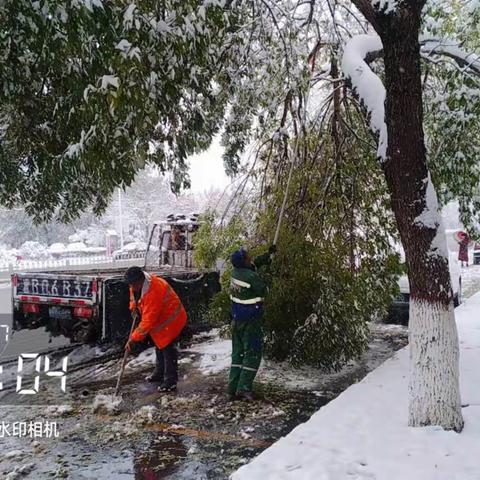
{"x": 119, "y": 271}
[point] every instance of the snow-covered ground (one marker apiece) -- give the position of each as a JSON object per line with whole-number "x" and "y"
{"x": 214, "y": 354}
{"x": 363, "y": 433}
{"x": 470, "y": 280}
{"x": 185, "y": 432}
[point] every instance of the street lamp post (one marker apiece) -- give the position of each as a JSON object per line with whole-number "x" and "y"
{"x": 120, "y": 217}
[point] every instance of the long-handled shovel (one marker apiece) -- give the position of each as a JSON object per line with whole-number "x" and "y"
{"x": 125, "y": 356}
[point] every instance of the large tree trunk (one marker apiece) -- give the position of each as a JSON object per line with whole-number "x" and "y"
{"x": 434, "y": 397}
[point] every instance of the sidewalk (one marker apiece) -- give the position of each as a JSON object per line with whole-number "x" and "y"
{"x": 363, "y": 433}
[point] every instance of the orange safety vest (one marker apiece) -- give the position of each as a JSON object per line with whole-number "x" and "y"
{"x": 162, "y": 313}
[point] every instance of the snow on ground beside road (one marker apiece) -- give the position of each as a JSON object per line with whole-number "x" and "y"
{"x": 470, "y": 280}
{"x": 363, "y": 434}
{"x": 147, "y": 357}
{"x": 214, "y": 354}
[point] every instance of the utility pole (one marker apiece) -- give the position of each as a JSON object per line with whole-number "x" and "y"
{"x": 120, "y": 216}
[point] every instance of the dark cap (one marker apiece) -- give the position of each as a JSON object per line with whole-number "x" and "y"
{"x": 238, "y": 258}
{"x": 133, "y": 275}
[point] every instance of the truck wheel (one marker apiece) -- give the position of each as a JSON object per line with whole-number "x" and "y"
{"x": 84, "y": 333}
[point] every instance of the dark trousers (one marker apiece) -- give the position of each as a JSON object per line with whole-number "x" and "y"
{"x": 167, "y": 363}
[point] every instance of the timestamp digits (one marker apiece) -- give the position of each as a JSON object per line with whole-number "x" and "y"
{"x": 40, "y": 360}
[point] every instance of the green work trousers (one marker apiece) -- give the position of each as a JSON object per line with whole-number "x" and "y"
{"x": 247, "y": 345}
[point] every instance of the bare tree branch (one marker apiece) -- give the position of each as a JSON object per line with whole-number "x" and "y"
{"x": 370, "y": 14}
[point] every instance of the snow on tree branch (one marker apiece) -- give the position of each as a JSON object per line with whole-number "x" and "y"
{"x": 385, "y": 6}
{"x": 449, "y": 48}
{"x": 367, "y": 84}
{"x": 431, "y": 218}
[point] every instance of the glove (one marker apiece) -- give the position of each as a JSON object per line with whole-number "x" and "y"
{"x": 135, "y": 314}
{"x": 272, "y": 249}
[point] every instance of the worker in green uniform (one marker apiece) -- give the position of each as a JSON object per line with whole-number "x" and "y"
{"x": 247, "y": 293}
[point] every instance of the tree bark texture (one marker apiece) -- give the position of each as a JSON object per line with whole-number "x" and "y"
{"x": 434, "y": 396}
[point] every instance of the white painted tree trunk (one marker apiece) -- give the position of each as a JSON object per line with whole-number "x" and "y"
{"x": 434, "y": 372}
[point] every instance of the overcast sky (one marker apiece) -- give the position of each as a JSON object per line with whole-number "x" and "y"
{"x": 206, "y": 169}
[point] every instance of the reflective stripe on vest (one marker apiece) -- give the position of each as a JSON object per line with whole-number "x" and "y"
{"x": 168, "y": 321}
{"x": 240, "y": 283}
{"x": 250, "y": 301}
{"x": 167, "y": 295}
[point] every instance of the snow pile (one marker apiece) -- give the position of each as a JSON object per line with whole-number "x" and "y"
{"x": 185, "y": 360}
{"x": 84, "y": 353}
{"x": 364, "y": 432}
{"x": 56, "y": 248}
{"x": 145, "y": 415}
{"x": 20, "y": 472}
{"x": 109, "y": 404}
{"x": 367, "y": 84}
{"x": 76, "y": 247}
{"x": 60, "y": 410}
{"x": 214, "y": 355}
{"x": 147, "y": 357}
{"x": 282, "y": 373}
{"x": 14, "y": 454}
{"x": 431, "y": 218}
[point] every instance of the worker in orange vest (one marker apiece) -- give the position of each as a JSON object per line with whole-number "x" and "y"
{"x": 163, "y": 318}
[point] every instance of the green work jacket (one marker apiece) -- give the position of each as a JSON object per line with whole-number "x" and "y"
{"x": 246, "y": 285}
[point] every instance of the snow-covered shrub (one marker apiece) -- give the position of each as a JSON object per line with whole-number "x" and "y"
{"x": 76, "y": 247}
{"x": 57, "y": 249}
{"x": 92, "y": 236}
{"x": 34, "y": 251}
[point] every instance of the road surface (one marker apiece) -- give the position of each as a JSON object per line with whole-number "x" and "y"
{"x": 25, "y": 341}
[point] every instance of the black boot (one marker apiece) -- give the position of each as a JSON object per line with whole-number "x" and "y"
{"x": 246, "y": 396}
{"x": 170, "y": 360}
{"x": 167, "y": 387}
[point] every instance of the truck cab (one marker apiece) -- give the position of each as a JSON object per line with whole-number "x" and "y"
{"x": 171, "y": 242}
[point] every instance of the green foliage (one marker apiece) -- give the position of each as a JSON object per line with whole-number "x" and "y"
{"x": 218, "y": 313}
{"x": 317, "y": 308}
{"x": 452, "y": 109}
{"x": 214, "y": 242}
{"x": 91, "y": 91}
